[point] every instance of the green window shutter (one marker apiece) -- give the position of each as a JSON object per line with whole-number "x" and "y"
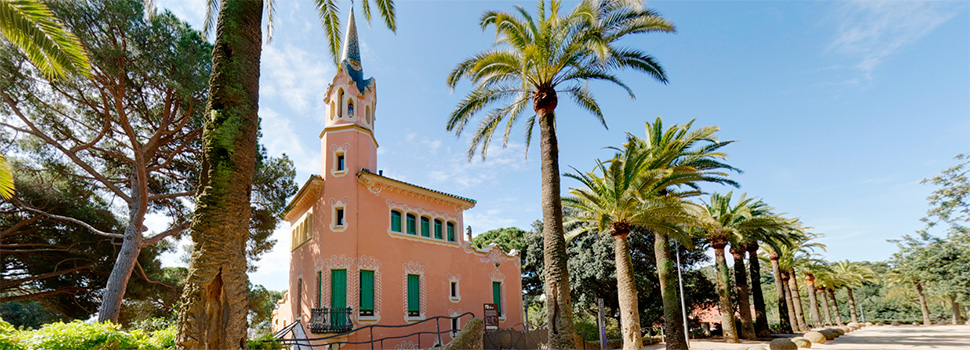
{"x": 319, "y": 287}
{"x": 497, "y": 295}
{"x": 414, "y": 294}
{"x": 412, "y": 225}
{"x": 451, "y": 232}
{"x": 437, "y": 229}
{"x": 367, "y": 292}
{"x": 395, "y": 221}
{"x": 338, "y": 288}
{"x": 425, "y": 227}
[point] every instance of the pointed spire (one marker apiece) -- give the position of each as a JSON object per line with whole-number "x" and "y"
{"x": 351, "y": 51}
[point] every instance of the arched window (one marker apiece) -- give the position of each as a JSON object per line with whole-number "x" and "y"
{"x": 350, "y": 109}
{"x": 340, "y": 101}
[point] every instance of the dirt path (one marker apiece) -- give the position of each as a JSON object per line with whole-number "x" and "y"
{"x": 873, "y": 338}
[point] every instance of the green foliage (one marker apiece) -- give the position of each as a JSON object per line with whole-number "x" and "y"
{"x": 31, "y": 26}
{"x": 265, "y": 342}
{"x": 509, "y": 238}
{"x": 951, "y": 201}
{"x": 262, "y": 302}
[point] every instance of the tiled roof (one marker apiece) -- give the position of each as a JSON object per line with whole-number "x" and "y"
{"x": 365, "y": 170}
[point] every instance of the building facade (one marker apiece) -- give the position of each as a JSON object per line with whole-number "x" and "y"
{"x": 380, "y": 250}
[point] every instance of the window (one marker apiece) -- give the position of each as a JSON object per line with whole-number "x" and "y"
{"x": 454, "y": 327}
{"x": 338, "y": 296}
{"x": 395, "y": 221}
{"x": 454, "y": 289}
{"x": 340, "y": 100}
{"x": 350, "y": 109}
{"x": 302, "y": 232}
{"x": 451, "y": 232}
{"x": 497, "y": 296}
{"x": 414, "y": 295}
{"x": 340, "y": 216}
{"x": 366, "y": 293}
{"x": 412, "y": 225}
{"x": 437, "y": 229}
{"x": 425, "y": 227}
{"x": 319, "y": 288}
{"x": 299, "y": 298}
{"x": 341, "y": 166}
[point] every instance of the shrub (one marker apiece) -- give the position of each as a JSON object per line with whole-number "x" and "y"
{"x": 266, "y": 342}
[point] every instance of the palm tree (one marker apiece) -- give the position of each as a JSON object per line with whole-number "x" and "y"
{"x": 852, "y": 276}
{"x": 534, "y": 59}
{"x": 672, "y": 147}
{"x": 771, "y": 238}
{"x": 810, "y": 271}
{"x": 902, "y": 277}
{"x": 830, "y": 282}
{"x": 54, "y": 51}
{"x": 797, "y": 255}
{"x": 730, "y": 220}
{"x": 214, "y": 307}
{"x": 756, "y": 224}
{"x": 626, "y": 195}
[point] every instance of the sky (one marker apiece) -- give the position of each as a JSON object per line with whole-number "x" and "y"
{"x": 839, "y": 108}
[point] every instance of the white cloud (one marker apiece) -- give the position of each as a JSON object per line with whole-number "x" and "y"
{"x": 869, "y": 31}
{"x": 295, "y": 78}
{"x": 467, "y": 174}
{"x": 279, "y": 138}
{"x": 191, "y": 11}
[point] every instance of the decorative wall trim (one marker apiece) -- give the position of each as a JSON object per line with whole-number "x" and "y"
{"x": 414, "y": 268}
{"x": 457, "y": 280}
{"x": 334, "y": 205}
{"x": 353, "y": 267}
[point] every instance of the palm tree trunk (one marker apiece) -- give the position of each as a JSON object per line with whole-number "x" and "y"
{"x": 922, "y": 304}
{"x": 813, "y": 300}
{"x": 797, "y": 301}
{"x": 828, "y": 309}
{"x": 783, "y": 319}
{"x": 957, "y": 318}
{"x": 835, "y": 307}
{"x": 724, "y": 296}
{"x": 852, "y": 312}
{"x": 741, "y": 288}
{"x": 626, "y": 289}
{"x": 214, "y": 300}
{"x": 559, "y": 308}
{"x": 760, "y": 310}
{"x": 788, "y": 301}
{"x": 673, "y": 321}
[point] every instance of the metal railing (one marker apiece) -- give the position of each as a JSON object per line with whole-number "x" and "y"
{"x": 330, "y": 320}
{"x": 325, "y": 343}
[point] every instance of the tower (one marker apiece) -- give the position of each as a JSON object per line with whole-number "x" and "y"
{"x": 347, "y": 141}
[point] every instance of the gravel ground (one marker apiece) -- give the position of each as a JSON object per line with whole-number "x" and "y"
{"x": 870, "y": 338}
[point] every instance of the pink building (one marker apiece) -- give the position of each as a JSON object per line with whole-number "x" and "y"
{"x": 368, "y": 249}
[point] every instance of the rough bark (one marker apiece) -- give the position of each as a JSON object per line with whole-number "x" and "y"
{"x": 925, "y": 309}
{"x": 783, "y": 320}
{"x": 797, "y": 300}
{"x": 852, "y": 306}
{"x": 114, "y": 291}
{"x": 214, "y": 301}
{"x": 813, "y": 300}
{"x": 724, "y": 296}
{"x": 741, "y": 288}
{"x": 673, "y": 320}
{"x": 956, "y": 318}
{"x": 760, "y": 310}
{"x": 828, "y": 309}
{"x": 835, "y": 307}
{"x": 786, "y": 288}
{"x": 627, "y": 292}
{"x": 560, "y": 310}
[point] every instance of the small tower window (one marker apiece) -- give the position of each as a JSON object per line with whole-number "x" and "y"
{"x": 350, "y": 109}
{"x": 340, "y": 216}
{"x": 340, "y": 162}
{"x": 340, "y": 100}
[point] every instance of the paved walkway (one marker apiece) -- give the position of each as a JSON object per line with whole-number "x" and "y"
{"x": 940, "y": 337}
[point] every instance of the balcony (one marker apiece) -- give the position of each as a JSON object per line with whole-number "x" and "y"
{"x": 330, "y": 320}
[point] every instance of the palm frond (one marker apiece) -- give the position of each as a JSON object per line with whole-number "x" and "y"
{"x": 32, "y": 28}
{"x": 6, "y": 179}
{"x": 330, "y": 19}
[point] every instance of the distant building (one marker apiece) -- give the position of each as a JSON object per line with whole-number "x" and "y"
{"x": 368, "y": 249}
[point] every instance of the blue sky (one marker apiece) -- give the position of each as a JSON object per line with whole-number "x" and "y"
{"x": 839, "y": 108}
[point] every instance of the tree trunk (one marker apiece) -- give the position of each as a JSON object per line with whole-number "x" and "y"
{"x": 114, "y": 292}
{"x": 828, "y": 309}
{"x": 813, "y": 300}
{"x": 214, "y": 301}
{"x": 673, "y": 320}
{"x": 741, "y": 287}
{"x": 783, "y": 319}
{"x": 724, "y": 297}
{"x": 797, "y": 301}
{"x": 792, "y": 319}
{"x": 626, "y": 289}
{"x": 852, "y": 306}
{"x": 760, "y": 310}
{"x": 835, "y": 307}
{"x": 957, "y": 318}
{"x": 559, "y": 308}
{"x": 925, "y": 309}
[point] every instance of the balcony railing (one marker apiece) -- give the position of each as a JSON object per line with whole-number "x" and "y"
{"x": 330, "y": 320}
